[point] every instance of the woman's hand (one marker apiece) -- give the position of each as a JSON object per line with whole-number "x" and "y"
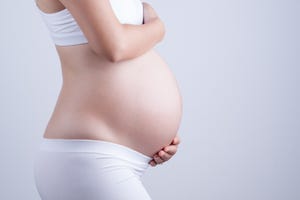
{"x": 149, "y": 13}
{"x": 166, "y": 153}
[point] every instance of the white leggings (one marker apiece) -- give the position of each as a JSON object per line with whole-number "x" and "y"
{"x": 81, "y": 169}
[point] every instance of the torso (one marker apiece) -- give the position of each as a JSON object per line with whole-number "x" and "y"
{"x": 136, "y": 103}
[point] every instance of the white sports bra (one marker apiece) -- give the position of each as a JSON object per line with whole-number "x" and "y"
{"x": 65, "y": 31}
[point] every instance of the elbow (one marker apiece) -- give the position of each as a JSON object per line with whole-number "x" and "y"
{"x": 117, "y": 52}
{"x": 113, "y": 53}
{"x": 116, "y": 55}
{"x": 110, "y": 50}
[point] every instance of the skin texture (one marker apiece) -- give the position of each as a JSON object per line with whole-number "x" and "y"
{"x": 106, "y": 90}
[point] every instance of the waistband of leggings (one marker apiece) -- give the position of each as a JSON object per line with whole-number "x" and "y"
{"x": 94, "y": 146}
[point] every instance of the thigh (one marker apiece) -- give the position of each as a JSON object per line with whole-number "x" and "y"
{"x": 131, "y": 189}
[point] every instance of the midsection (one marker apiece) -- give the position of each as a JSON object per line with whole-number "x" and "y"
{"x": 136, "y": 103}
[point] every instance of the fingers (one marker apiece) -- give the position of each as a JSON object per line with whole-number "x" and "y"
{"x": 172, "y": 149}
{"x": 152, "y": 163}
{"x": 166, "y": 153}
{"x": 158, "y": 159}
{"x": 176, "y": 140}
{"x": 148, "y": 12}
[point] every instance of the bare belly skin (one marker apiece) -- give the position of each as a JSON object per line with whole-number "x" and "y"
{"x": 135, "y": 103}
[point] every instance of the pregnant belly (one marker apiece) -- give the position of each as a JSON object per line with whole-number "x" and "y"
{"x": 145, "y": 104}
{"x": 137, "y": 100}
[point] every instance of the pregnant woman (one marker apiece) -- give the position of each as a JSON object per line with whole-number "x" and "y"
{"x": 119, "y": 108}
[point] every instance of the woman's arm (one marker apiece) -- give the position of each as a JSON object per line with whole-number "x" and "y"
{"x": 140, "y": 38}
{"x": 107, "y": 36}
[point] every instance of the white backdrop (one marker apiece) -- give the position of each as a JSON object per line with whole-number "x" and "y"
{"x": 237, "y": 63}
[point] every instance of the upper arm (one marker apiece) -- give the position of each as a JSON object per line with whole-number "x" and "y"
{"x": 99, "y": 24}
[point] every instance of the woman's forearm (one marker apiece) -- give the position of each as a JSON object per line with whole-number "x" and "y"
{"x": 137, "y": 39}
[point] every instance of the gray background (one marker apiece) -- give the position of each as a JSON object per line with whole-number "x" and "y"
{"x": 237, "y": 64}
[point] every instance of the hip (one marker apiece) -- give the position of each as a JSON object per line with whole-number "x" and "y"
{"x": 88, "y": 169}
